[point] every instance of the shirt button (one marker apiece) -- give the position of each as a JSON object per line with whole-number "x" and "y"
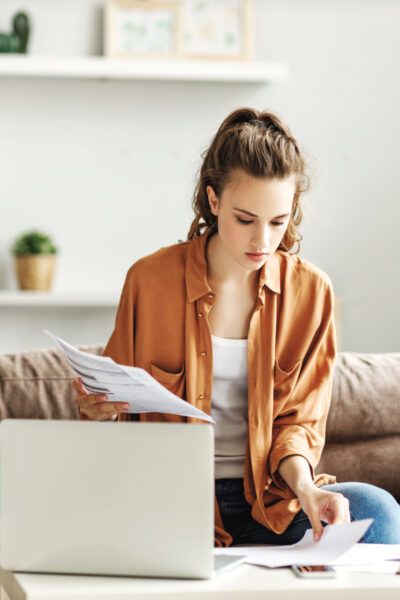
{"x": 199, "y": 314}
{"x": 202, "y": 354}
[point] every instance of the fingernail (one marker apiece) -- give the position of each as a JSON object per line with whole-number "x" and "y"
{"x": 126, "y": 406}
{"x": 316, "y": 537}
{"x": 103, "y": 397}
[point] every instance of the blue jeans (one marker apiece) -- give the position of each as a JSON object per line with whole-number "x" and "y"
{"x": 366, "y": 501}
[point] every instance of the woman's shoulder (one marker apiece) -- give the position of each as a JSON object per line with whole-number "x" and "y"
{"x": 168, "y": 262}
{"x": 296, "y": 267}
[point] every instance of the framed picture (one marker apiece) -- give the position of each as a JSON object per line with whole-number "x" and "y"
{"x": 142, "y": 28}
{"x": 218, "y": 29}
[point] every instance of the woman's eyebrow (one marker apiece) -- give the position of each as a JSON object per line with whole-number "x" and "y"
{"x": 253, "y": 215}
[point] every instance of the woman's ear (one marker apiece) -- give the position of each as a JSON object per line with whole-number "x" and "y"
{"x": 212, "y": 199}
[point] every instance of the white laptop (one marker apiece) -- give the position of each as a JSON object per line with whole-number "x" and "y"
{"x": 108, "y": 498}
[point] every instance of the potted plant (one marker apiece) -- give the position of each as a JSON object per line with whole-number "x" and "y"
{"x": 34, "y": 255}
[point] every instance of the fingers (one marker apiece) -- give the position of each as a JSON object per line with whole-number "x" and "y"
{"x": 316, "y": 524}
{"x": 340, "y": 509}
{"x": 88, "y": 398}
{"x": 323, "y": 505}
{"x": 336, "y": 509}
{"x": 78, "y": 386}
{"x": 347, "y": 510}
{"x": 103, "y": 410}
{"x": 107, "y": 410}
{"x": 95, "y": 406}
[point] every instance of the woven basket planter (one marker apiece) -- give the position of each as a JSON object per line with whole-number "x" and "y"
{"x": 35, "y": 271}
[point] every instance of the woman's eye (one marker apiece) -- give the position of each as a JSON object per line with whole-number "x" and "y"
{"x": 279, "y": 223}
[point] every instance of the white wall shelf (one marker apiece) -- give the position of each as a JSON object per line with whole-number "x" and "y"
{"x": 13, "y": 299}
{"x": 99, "y": 67}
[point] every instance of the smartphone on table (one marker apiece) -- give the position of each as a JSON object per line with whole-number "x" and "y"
{"x": 314, "y": 571}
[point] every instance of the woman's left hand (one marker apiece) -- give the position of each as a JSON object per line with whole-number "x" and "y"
{"x": 322, "y": 505}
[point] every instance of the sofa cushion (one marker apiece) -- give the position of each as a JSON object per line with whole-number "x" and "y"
{"x": 365, "y": 397}
{"x": 36, "y": 384}
{"x": 373, "y": 461}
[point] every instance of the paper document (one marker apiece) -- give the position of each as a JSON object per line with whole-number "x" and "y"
{"x": 335, "y": 541}
{"x": 368, "y": 553}
{"x": 382, "y": 566}
{"x": 369, "y": 558}
{"x": 121, "y": 383}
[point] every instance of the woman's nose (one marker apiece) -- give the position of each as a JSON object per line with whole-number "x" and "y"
{"x": 263, "y": 240}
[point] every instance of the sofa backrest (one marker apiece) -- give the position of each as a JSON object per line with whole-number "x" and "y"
{"x": 36, "y": 384}
{"x": 365, "y": 396}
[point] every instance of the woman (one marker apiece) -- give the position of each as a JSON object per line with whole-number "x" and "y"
{"x": 244, "y": 330}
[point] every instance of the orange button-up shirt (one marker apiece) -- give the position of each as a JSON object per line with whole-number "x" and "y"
{"x": 162, "y": 327}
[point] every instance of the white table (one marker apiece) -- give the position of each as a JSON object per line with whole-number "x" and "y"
{"x": 245, "y": 582}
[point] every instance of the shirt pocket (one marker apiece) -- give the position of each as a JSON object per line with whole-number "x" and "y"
{"x": 285, "y": 379}
{"x": 174, "y": 382}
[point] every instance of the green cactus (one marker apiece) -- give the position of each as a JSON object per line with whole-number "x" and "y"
{"x": 17, "y": 41}
{"x": 21, "y": 28}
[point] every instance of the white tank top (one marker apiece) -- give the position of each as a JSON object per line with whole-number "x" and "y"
{"x": 229, "y": 405}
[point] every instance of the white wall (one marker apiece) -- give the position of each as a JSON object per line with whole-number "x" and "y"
{"x": 109, "y": 168}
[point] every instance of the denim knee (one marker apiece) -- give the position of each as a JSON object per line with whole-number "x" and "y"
{"x": 369, "y": 501}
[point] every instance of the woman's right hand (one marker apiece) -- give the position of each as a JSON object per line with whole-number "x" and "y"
{"x": 94, "y": 406}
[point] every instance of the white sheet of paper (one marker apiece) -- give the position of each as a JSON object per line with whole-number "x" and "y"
{"x": 382, "y": 566}
{"x": 335, "y": 540}
{"x": 368, "y": 554}
{"x": 102, "y": 375}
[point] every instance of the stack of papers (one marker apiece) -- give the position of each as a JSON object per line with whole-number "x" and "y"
{"x": 337, "y": 547}
{"x": 334, "y": 542}
{"x": 370, "y": 558}
{"x": 121, "y": 383}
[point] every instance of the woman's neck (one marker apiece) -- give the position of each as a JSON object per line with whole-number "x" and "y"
{"x": 223, "y": 271}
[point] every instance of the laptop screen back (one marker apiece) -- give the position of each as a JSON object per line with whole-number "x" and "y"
{"x": 110, "y": 498}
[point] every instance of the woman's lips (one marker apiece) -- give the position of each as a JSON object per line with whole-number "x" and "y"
{"x": 256, "y": 257}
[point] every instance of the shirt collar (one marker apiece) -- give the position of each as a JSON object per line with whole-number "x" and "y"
{"x": 196, "y": 270}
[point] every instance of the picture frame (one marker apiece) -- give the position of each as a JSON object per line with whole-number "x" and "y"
{"x": 218, "y": 30}
{"x": 142, "y": 28}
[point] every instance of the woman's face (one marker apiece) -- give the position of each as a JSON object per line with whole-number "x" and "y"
{"x": 253, "y": 215}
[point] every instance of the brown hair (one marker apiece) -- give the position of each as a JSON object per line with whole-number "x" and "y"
{"x": 265, "y": 150}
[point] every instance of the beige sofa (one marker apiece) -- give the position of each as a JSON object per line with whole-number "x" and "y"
{"x": 363, "y": 429}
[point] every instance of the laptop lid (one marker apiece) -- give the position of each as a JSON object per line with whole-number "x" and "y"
{"x": 111, "y": 498}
